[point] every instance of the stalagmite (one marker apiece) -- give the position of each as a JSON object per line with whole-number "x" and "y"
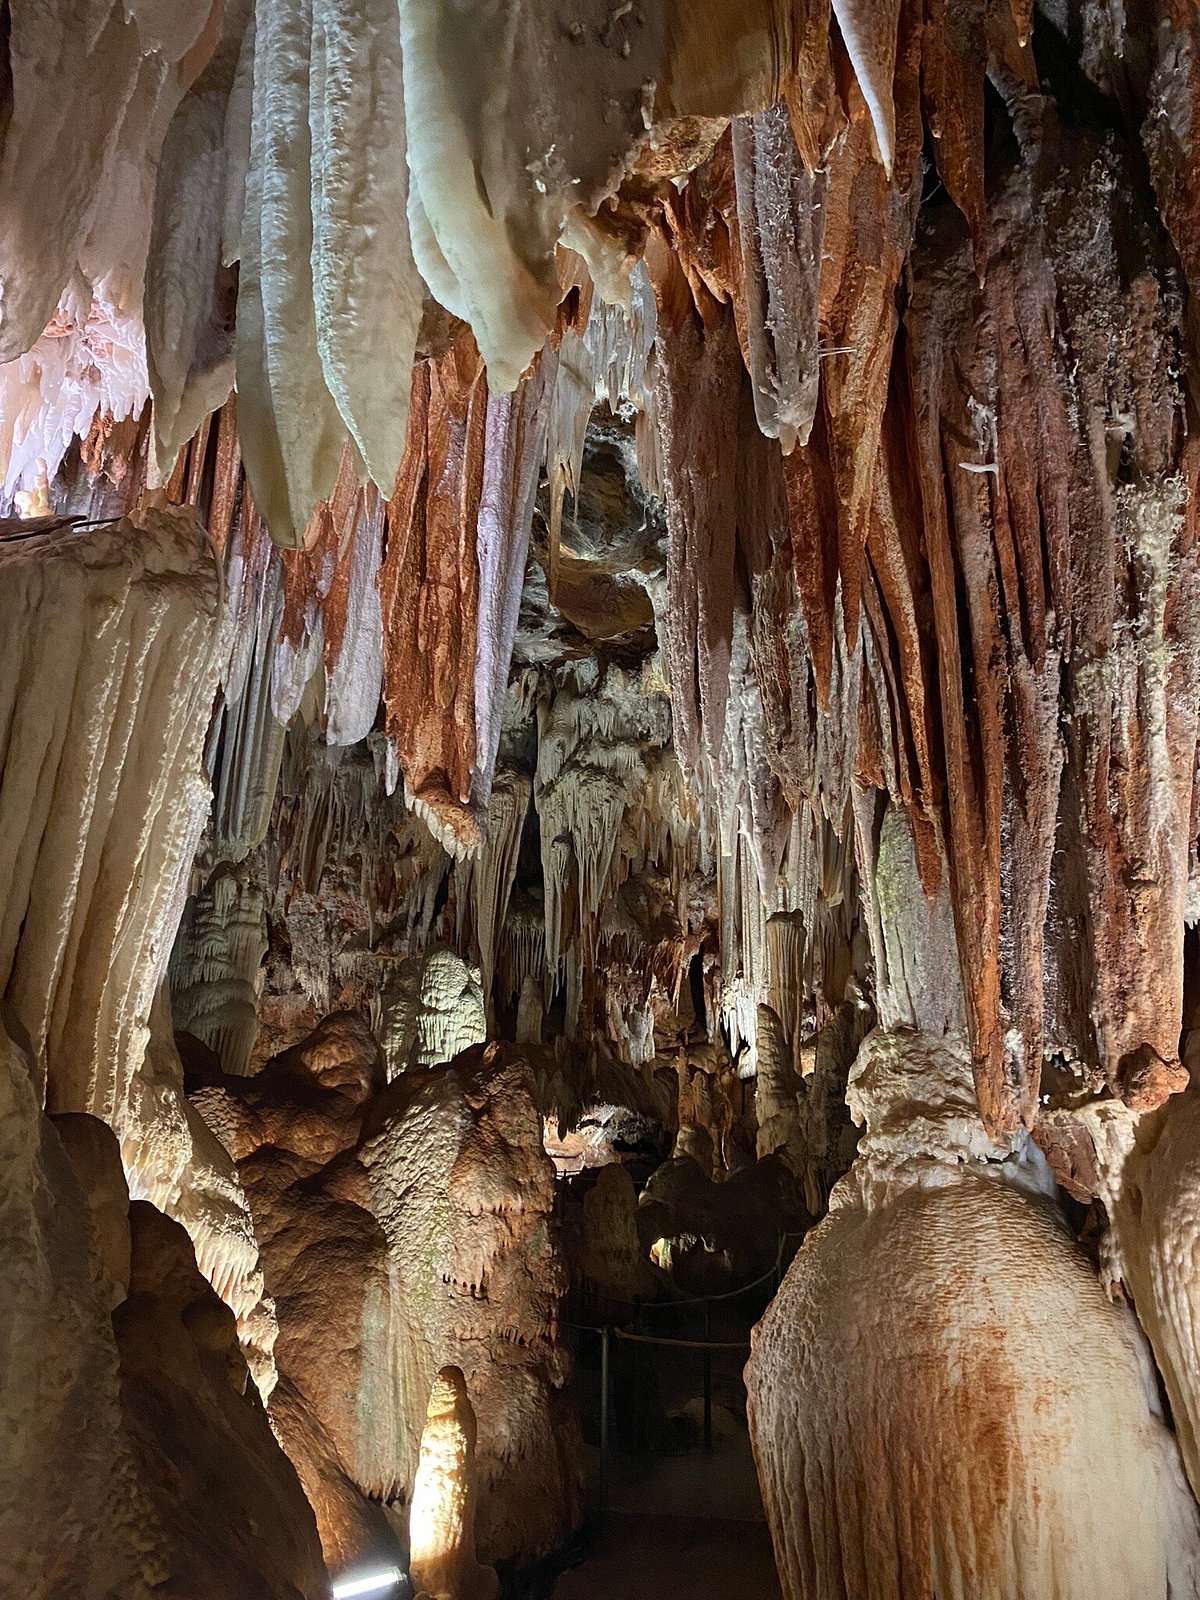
{"x": 1147, "y": 1174}
{"x": 441, "y": 1519}
{"x": 992, "y": 1469}
{"x": 701, "y": 570}
{"x": 455, "y": 1163}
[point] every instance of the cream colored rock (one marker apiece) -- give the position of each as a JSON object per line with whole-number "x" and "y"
{"x": 916, "y": 1432}
{"x": 431, "y": 1011}
{"x": 174, "y": 1160}
{"x": 402, "y": 1230}
{"x": 216, "y": 965}
{"x": 64, "y": 1463}
{"x": 1149, "y": 1170}
{"x": 442, "y": 1516}
{"x": 138, "y": 1460}
{"x": 464, "y": 1193}
{"x": 109, "y": 659}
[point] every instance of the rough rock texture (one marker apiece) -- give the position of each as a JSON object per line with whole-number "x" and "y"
{"x": 139, "y": 1458}
{"x": 65, "y": 1463}
{"x": 464, "y": 1194}
{"x": 111, "y": 649}
{"x": 113, "y": 645}
{"x": 431, "y": 1011}
{"x": 991, "y": 1469}
{"x": 291, "y": 1130}
{"x": 706, "y": 554}
{"x": 400, "y": 1229}
{"x": 1147, "y": 1175}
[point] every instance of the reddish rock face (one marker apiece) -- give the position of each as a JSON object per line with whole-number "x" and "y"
{"x": 703, "y": 561}
{"x": 400, "y": 1228}
{"x": 292, "y": 1131}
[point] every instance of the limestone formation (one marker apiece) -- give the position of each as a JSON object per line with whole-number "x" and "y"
{"x": 559, "y": 565}
{"x": 291, "y": 1131}
{"x": 464, "y": 1194}
{"x": 139, "y": 1458}
{"x": 111, "y": 651}
{"x": 442, "y": 1517}
{"x": 913, "y": 1431}
{"x": 431, "y": 1011}
{"x": 401, "y": 1231}
{"x": 1146, "y": 1170}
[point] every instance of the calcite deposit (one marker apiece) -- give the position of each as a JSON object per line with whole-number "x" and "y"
{"x": 910, "y": 1422}
{"x": 599, "y": 670}
{"x": 402, "y": 1230}
{"x": 138, "y": 1456}
{"x": 442, "y": 1519}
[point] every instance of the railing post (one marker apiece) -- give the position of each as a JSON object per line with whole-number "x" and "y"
{"x": 604, "y": 1336}
{"x": 707, "y": 1375}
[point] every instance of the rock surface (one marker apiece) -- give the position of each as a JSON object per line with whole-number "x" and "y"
{"x": 913, "y": 1431}
{"x": 139, "y": 1459}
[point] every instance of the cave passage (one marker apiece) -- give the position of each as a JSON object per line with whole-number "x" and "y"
{"x": 599, "y": 800}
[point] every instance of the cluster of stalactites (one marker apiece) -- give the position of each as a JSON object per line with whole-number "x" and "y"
{"x": 348, "y": 160}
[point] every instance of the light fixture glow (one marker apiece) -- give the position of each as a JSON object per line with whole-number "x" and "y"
{"x": 373, "y": 1583}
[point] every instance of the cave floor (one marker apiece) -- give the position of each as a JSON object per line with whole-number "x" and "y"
{"x": 680, "y": 1527}
{"x": 633, "y": 1557}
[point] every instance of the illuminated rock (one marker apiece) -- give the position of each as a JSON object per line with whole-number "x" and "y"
{"x": 441, "y": 1518}
{"x": 910, "y": 1423}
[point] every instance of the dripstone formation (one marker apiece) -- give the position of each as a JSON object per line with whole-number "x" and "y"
{"x": 599, "y": 708}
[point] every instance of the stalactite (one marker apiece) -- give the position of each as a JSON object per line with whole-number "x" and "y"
{"x": 190, "y": 292}
{"x": 366, "y": 290}
{"x": 291, "y": 432}
{"x": 514, "y": 444}
{"x": 78, "y": 64}
{"x": 483, "y": 883}
{"x": 698, "y": 387}
{"x": 215, "y": 966}
{"x": 173, "y": 1160}
{"x": 781, "y": 228}
{"x": 486, "y": 217}
{"x": 430, "y": 590}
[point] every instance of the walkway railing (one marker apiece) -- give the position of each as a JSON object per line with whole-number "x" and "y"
{"x": 609, "y": 1330}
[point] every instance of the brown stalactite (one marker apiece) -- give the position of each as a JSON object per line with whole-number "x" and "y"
{"x": 700, "y": 377}
{"x": 430, "y": 587}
